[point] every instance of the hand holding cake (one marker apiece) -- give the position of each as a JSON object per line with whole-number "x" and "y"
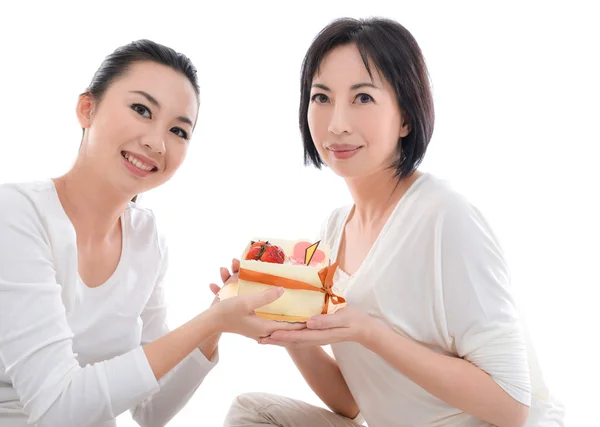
{"x": 350, "y": 323}
{"x": 302, "y": 268}
{"x": 237, "y": 315}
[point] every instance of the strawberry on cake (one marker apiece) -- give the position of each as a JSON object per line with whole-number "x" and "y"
{"x": 302, "y": 268}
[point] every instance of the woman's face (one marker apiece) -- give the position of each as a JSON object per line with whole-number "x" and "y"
{"x": 138, "y": 133}
{"x": 355, "y": 121}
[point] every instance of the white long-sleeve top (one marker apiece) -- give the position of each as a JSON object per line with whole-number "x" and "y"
{"x": 70, "y": 355}
{"x": 436, "y": 275}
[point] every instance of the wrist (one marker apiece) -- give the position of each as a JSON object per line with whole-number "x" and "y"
{"x": 372, "y": 332}
{"x": 209, "y": 346}
{"x": 300, "y": 351}
{"x": 304, "y": 354}
{"x": 212, "y": 320}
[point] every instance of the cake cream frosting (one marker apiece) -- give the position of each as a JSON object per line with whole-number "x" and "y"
{"x": 301, "y": 267}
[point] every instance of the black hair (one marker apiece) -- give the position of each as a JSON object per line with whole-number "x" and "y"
{"x": 117, "y": 63}
{"x": 392, "y": 49}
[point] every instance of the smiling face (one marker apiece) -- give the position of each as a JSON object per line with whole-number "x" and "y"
{"x": 355, "y": 121}
{"x": 137, "y": 135}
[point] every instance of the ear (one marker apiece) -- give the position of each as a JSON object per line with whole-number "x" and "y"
{"x": 405, "y": 128}
{"x": 85, "y": 109}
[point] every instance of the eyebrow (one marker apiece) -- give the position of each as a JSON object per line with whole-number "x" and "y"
{"x": 154, "y": 102}
{"x": 149, "y": 97}
{"x": 353, "y": 87}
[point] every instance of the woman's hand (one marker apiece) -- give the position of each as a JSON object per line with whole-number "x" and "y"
{"x": 236, "y": 314}
{"x": 347, "y": 324}
{"x": 226, "y": 278}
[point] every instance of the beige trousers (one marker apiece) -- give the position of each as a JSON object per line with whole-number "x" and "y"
{"x": 263, "y": 409}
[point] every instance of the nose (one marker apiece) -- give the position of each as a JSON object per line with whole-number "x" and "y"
{"x": 155, "y": 143}
{"x": 340, "y": 120}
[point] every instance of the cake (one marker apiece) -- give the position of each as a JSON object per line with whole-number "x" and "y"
{"x": 302, "y": 268}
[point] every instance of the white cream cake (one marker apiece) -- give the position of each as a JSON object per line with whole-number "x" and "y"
{"x": 291, "y": 264}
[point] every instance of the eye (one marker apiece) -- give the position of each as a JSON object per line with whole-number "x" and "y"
{"x": 319, "y": 98}
{"x": 364, "y": 98}
{"x": 180, "y": 133}
{"x": 142, "y": 110}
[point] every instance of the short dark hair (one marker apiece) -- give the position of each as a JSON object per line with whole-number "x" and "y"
{"x": 397, "y": 56}
{"x": 117, "y": 63}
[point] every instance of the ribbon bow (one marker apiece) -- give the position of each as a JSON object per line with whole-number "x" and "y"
{"x": 326, "y": 275}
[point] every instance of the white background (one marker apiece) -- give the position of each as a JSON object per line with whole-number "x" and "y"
{"x": 516, "y": 95}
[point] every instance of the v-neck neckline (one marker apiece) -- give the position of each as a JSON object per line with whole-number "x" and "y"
{"x": 350, "y": 277}
{"x": 60, "y": 210}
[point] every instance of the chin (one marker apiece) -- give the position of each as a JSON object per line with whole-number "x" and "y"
{"x": 354, "y": 167}
{"x": 356, "y": 170}
{"x": 129, "y": 188}
{"x": 348, "y": 172}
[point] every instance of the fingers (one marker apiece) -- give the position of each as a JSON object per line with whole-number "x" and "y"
{"x": 235, "y": 265}
{"x": 270, "y": 341}
{"x": 340, "y": 319}
{"x": 224, "y": 274}
{"x": 214, "y": 288}
{"x": 285, "y": 326}
{"x": 267, "y": 340}
{"x": 270, "y": 326}
{"x": 308, "y": 336}
{"x": 286, "y": 344}
{"x": 263, "y": 298}
{"x": 323, "y": 321}
{"x": 292, "y": 336}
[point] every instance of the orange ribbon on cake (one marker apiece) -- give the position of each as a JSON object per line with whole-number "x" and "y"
{"x": 325, "y": 275}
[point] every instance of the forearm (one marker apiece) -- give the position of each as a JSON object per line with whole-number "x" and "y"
{"x": 166, "y": 352}
{"x": 209, "y": 346}
{"x": 324, "y": 377}
{"x": 453, "y": 380}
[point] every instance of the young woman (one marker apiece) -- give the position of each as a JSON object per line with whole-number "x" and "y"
{"x": 83, "y": 333}
{"x": 431, "y": 335}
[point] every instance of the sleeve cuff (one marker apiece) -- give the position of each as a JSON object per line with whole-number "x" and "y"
{"x": 359, "y": 419}
{"x": 130, "y": 380}
{"x": 205, "y": 364}
{"x": 504, "y": 358}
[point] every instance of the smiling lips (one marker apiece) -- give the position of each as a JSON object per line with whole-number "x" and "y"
{"x": 343, "y": 151}
{"x": 137, "y": 164}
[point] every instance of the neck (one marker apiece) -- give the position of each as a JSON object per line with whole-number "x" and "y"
{"x": 92, "y": 204}
{"x": 376, "y": 194}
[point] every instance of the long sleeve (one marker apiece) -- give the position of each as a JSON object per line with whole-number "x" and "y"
{"x": 36, "y": 340}
{"x": 179, "y": 385}
{"x": 480, "y": 313}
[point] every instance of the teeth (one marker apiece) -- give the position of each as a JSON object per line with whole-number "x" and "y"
{"x": 137, "y": 163}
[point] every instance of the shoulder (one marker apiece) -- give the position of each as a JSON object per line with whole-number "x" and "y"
{"x": 24, "y": 202}
{"x": 19, "y": 191}
{"x": 459, "y": 228}
{"x": 436, "y": 200}
{"x": 26, "y": 218}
